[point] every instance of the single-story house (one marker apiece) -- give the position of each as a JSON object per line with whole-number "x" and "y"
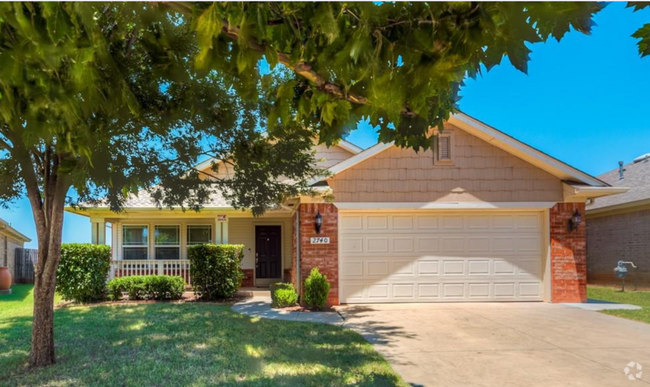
{"x": 619, "y": 226}
{"x": 10, "y": 240}
{"x": 480, "y": 217}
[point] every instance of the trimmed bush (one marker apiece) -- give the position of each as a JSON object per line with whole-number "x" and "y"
{"x": 147, "y": 287}
{"x": 283, "y": 295}
{"x": 82, "y": 272}
{"x": 316, "y": 289}
{"x": 216, "y": 270}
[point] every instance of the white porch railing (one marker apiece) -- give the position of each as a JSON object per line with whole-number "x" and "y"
{"x": 177, "y": 267}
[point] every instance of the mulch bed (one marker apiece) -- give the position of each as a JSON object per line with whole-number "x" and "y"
{"x": 303, "y": 309}
{"x": 187, "y": 298}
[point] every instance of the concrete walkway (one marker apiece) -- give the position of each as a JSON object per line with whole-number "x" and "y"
{"x": 504, "y": 344}
{"x": 599, "y": 305}
{"x": 261, "y": 307}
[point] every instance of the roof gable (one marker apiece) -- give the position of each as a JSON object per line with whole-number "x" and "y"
{"x": 325, "y": 156}
{"x": 500, "y": 140}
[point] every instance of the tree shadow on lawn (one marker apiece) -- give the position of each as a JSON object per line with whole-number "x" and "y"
{"x": 190, "y": 345}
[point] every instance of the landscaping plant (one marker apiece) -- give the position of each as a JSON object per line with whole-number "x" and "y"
{"x": 215, "y": 270}
{"x": 316, "y": 289}
{"x": 283, "y": 295}
{"x": 82, "y": 272}
{"x": 147, "y": 287}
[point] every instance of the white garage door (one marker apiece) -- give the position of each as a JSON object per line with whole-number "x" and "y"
{"x": 434, "y": 257}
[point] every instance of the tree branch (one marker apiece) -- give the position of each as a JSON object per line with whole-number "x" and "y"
{"x": 303, "y": 69}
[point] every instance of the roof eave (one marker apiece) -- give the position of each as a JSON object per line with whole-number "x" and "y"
{"x": 580, "y": 193}
{"x": 6, "y": 227}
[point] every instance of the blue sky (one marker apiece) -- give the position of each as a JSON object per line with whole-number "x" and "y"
{"x": 585, "y": 101}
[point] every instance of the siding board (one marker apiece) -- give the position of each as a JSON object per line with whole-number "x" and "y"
{"x": 480, "y": 172}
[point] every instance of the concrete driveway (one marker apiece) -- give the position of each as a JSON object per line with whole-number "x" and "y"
{"x": 504, "y": 344}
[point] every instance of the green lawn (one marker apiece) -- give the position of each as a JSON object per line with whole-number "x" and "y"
{"x": 640, "y": 298}
{"x": 198, "y": 344}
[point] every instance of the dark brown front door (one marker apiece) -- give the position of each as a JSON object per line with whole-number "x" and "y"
{"x": 268, "y": 252}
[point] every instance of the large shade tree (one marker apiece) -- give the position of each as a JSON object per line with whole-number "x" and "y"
{"x": 102, "y": 100}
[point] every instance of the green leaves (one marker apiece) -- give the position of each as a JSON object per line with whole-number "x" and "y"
{"x": 350, "y": 52}
{"x": 643, "y": 34}
{"x": 207, "y": 25}
{"x": 325, "y": 21}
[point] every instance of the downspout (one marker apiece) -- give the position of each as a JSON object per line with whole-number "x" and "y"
{"x": 298, "y": 283}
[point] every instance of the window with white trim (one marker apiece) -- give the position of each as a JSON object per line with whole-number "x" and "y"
{"x": 167, "y": 242}
{"x": 444, "y": 147}
{"x": 199, "y": 234}
{"x": 135, "y": 242}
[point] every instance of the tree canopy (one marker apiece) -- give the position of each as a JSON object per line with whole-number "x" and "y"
{"x": 398, "y": 64}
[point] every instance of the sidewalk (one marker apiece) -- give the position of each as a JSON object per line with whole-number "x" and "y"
{"x": 261, "y": 307}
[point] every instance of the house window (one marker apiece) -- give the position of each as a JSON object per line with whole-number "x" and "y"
{"x": 199, "y": 234}
{"x": 444, "y": 147}
{"x": 167, "y": 242}
{"x": 135, "y": 242}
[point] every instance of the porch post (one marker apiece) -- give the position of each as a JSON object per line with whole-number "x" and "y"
{"x": 98, "y": 231}
{"x": 221, "y": 229}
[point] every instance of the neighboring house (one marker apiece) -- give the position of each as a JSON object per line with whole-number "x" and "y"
{"x": 480, "y": 217}
{"x": 10, "y": 240}
{"x": 619, "y": 225}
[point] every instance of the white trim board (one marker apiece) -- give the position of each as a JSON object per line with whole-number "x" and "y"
{"x": 446, "y": 206}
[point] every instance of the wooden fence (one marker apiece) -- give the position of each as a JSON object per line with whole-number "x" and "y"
{"x": 24, "y": 265}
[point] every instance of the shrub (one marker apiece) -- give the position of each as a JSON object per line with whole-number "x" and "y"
{"x": 147, "y": 287}
{"x": 316, "y": 289}
{"x": 216, "y": 270}
{"x": 82, "y": 272}
{"x": 283, "y": 295}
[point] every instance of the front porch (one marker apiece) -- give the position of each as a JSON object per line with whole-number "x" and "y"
{"x": 153, "y": 244}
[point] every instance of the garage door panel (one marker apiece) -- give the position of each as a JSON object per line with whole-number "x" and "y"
{"x": 428, "y": 244}
{"x": 426, "y": 222}
{"x": 403, "y": 244}
{"x": 402, "y": 222}
{"x": 427, "y": 267}
{"x": 440, "y": 257}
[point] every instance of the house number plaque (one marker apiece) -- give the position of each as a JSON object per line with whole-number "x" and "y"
{"x": 319, "y": 240}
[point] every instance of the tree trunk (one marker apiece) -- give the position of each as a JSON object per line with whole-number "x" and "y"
{"x": 42, "y": 353}
{"x": 49, "y": 254}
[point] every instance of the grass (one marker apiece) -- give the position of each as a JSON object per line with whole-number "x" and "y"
{"x": 191, "y": 344}
{"x": 640, "y": 298}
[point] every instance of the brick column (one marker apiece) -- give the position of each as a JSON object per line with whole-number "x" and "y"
{"x": 568, "y": 255}
{"x": 323, "y": 256}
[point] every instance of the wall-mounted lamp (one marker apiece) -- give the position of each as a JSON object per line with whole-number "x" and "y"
{"x": 575, "y": 221}
{"x": 318, "y": 222}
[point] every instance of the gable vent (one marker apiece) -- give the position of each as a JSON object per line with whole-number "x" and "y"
{"x": 444, "y": 148}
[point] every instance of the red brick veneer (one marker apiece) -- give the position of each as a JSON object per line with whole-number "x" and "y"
{"x": 568, "y": 255}
{"x": 249, "y": 278}
{"x": 323, "y": 256}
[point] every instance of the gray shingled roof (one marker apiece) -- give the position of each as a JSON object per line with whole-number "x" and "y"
{"x": 636, "y": 176}
{"x": 144, "y": 200}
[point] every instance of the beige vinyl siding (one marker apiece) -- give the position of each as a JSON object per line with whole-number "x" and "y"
{"x": 242, "y": 231}
{"x": 479, "y": 172}
{"x": 327, "y": 157}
